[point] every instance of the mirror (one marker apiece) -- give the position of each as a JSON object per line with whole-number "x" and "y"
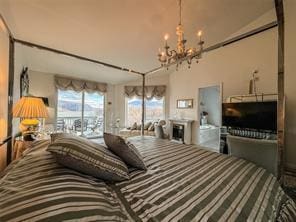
{"x": 184, "y": 103}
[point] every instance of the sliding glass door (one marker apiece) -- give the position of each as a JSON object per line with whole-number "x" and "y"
{"x": 81, "y": 113}
{"x": 69, "y": 110}
{"x": 93, "y": 114}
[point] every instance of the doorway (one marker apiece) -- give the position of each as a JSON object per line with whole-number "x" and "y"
{"x": 210, "y": 117}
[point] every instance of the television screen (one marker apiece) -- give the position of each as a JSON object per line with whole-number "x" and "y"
{"x": 251, "y": 115}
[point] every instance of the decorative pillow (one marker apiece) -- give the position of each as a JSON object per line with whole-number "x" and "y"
{"x": 134, "y": 126}
{"x": 55, "y": 136}
{"x": 88, "y": 157}
{"x": 151, "y": 127}
{"x": 161, "y": 122}
{"x": 147, "y": 125}
{"x": 125, "y": 150}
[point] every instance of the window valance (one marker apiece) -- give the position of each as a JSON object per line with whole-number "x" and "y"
{"x": 79, "y": 85}
{"x": 151, "y": 92}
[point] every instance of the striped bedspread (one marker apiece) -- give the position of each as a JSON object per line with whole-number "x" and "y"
{"x": 183, "y": 183}
{"x": 36, "y": 188}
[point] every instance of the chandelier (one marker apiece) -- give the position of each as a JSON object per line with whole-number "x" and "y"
{"x": 177, "y": 56}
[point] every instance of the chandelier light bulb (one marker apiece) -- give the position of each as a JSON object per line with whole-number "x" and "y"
{"x": 199, "y": 33}
{"x": 166, "y": 37}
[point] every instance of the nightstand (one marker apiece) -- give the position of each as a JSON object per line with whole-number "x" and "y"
{"x": 19, "y": 146}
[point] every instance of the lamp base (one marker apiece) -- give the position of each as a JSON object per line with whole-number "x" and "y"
{"x": 29, "y": 129}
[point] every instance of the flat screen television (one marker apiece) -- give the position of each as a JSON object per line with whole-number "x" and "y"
{"x": 250, "y": 115}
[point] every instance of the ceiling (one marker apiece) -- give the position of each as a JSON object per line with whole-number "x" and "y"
{"x": 50, "y": 62}
{"x": 125, "y": 33}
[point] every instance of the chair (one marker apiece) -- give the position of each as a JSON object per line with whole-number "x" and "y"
{"x": 60, "y": 125}
{"x": 159, "y": 131}
{"x": 96, "y": 124}
{"x": 77, "y": 125}
{"x": 259, "y": 151}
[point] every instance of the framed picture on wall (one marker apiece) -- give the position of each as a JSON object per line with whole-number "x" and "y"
{"x": 184, "y": 103}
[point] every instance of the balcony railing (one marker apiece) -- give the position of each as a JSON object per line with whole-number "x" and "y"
{"x": 92, "y": 126}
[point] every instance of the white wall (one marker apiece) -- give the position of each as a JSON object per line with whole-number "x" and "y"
{"x": 42, "y": 84}
{"x": 290, "y": 81}
{"x": 119, "y": 98}
{"x": 4, "y": 64}
{"x": 231, "y": 65}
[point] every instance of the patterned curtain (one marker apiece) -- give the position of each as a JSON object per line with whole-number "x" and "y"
{"x": 151, "y": 92}
{"x": 79, "y": 85}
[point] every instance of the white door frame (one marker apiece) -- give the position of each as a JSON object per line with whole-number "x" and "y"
{"x": 220, "y": 86}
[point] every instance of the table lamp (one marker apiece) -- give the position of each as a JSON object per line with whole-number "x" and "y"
{"x": 29, "y": 109}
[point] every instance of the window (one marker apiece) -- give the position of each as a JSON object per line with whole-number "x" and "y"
{"x": 80, "y": 112}
{"x": 133, "y": 111}
{"x": 154, "y": 110}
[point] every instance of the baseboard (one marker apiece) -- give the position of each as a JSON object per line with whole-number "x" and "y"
{"x": 290, "y": 168}
{"x": 290, "y": 175}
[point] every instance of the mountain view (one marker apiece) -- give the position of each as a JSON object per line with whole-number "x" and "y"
{"x": 70, "y": 108}
{"x": 154, "y": 110}
{"x": 70, "y": 104}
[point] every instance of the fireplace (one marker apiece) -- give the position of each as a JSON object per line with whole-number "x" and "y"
{"x": 178, "y": 132}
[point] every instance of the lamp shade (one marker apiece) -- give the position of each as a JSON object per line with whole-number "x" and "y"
{"x": 30, "y": 107}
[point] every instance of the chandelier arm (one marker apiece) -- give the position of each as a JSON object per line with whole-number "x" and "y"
{"x": 189, "y": 60}
{"x": 200, "y": 52}
{"x": 162, "y": 60}
{"x": 180, "y": 54}
{"x": 174, "y": 52}
{"x": 168, "y": 53}
{"x": 190, "y": 51}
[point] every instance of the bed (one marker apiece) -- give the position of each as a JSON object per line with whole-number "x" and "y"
{"x": 182, "y": 183}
